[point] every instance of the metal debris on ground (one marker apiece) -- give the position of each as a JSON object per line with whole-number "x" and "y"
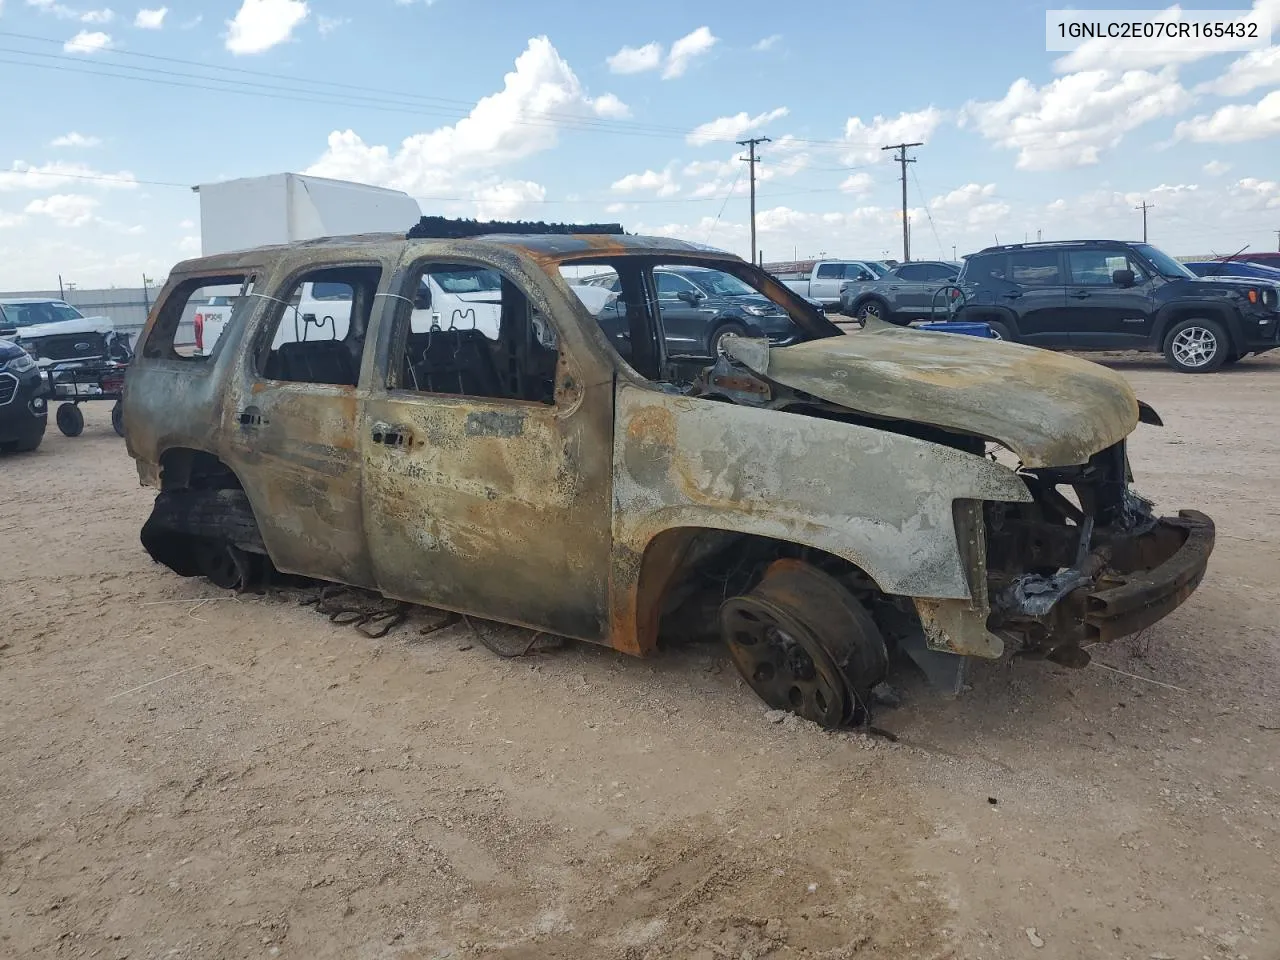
{"x": 372, "y": 614}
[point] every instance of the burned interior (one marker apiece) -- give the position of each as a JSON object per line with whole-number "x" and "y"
{"x": 509, "y": 424}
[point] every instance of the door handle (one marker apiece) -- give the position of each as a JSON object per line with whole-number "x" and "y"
{"x": 392, "y": 435}
{"x": 1012, "y": 295}
{"x": 1082, "y": 295}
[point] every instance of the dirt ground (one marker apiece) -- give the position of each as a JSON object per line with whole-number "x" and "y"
{"x": 241, "y": 778}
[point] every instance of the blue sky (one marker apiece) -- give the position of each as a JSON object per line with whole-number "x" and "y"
{"x": 560, "y": 110}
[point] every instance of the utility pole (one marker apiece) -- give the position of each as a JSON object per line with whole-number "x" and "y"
{"x": 62, "y": 294}
{"x": 750, "y": 143}
{"x": 903, "y": 160}
{"x": 1144, "y": 207}
{"x": 1278, "y": 240}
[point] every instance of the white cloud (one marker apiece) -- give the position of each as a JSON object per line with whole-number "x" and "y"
{"x": 23, "y": 176}
{"x": 74, "y": 139}
{"x": 687, "y": 49}
{"x": 327, "y": 25}
{"x": 65, "y": 209}
{"x": 717, "y": 168}
{"x": 504, "y": 200}
{"x": 663, "y": 184}
{"x": 54, "y": 8}
{"x": 1070, "y": 121}
{"x": 609, "y": 106}
{"x": 1257, "y": 68}
{"x": 866, "y": 139}
{"x": 856, "y": 183}
{"x": 8, "y": 220}
{"x": 150, "y": 19}
{"x": 189, "y": 245}
{"x": 105, "y": 15}
{"x": 1105, "y": 53}
{"x": 636, "y": 59}
{"x": 973, "y": 204}
{"x": 768, "y": 43}
{"x": 539, "y": 96}
{"x": 187, "y": 224}
{"x": 260, "y": 25}
{"x": 1234, "y": 123}
{"x": 1216, "y": 168}
{"x": 87, "y": 42}
{"x": 730, "y": 128}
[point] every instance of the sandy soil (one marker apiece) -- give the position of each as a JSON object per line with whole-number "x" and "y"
{"x": 241, "y": 778}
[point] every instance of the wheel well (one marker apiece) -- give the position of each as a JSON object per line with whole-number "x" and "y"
{"x": 1177, "y": 314}
{"x": 185, "y": 468}
{"x": 687, "y": 572}
{"x": 984, "y": 314}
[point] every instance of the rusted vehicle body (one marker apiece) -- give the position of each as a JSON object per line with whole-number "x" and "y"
{"x": 814, "y": 504}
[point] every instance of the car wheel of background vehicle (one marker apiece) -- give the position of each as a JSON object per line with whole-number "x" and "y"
{"x": 872, "y": 310}
{"x": 999, "y": 330}
{"x": 1196, "y": 346}
{"x": 718, "y": 335}
{"x": 117, "y": 419}
{"x": 70, "y": 420}
{"x": 805, "y": 644}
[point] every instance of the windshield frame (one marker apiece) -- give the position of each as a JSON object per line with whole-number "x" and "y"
{"x": 1160, "y": 260}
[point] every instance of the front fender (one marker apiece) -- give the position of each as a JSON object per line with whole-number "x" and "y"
{"x": 880, "y": 500}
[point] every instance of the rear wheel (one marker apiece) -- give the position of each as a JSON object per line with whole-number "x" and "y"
{"x": 805, "y": 644}
{"x": 117, "y": 419}
{"x": 70, "y": 420}
{"x": 1196, "y": 345}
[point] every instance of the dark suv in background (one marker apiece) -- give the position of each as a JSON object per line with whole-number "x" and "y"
{"x": 1113, "y": 295}
{"x": 23, "y": 409}
{"x": 699, "y": 308}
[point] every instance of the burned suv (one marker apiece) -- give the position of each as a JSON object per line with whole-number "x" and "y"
{"x": 811, "y": 504}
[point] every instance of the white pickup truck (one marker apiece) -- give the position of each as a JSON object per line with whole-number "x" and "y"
{"x": 821, "y": 280}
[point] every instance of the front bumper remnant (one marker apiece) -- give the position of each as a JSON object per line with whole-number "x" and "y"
{"x": 1124, "y": 585}
{"x": 1123, "y": 604}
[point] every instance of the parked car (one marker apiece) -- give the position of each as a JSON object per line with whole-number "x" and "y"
{"x": 1233, "y": 268}
{"x": 53, "y": 331}
{"x": 1113, "y": 295}
{"x": 810, "y": 503}
{"x": 699, "y": 307}
{"x": 905, "y": 293}
{"x": 23, "y": 409}
{"x": 821, "y": 280}
{"x": 1266, "y": 259}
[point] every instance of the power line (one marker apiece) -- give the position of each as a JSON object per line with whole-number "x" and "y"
{"x": 716, "y": 222}
{"x": 925, "y": 204}
{"x": 365, "y": 97}
{"x": 903, "y": 160}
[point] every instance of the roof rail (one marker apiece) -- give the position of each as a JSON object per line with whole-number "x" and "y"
{"x": 442, "y": 228}
{"x": 1039, "y": 244}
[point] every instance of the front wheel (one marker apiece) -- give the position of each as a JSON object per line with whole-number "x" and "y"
{"x": 805, "y": 644}
{"x": 871, "y": 310}
{"x": 117, "y": 419}
{"x": 1196, "y": 345}
{"x": 717, "y": 337}
{"x": 70, "y": 420}
{"x": 998, "y": 330}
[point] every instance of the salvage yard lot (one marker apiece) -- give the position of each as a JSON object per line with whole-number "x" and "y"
{"x": 241, "y": 778}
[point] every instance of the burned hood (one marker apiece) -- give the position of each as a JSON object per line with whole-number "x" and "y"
{"x": 1049, "y": 409}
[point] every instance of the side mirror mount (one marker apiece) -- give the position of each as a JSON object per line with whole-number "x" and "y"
{"x": 689, "y": 297}
{"x": 1123, "y": 278}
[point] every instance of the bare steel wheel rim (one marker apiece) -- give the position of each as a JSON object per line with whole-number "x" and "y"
{"x": 782, "y": 661}
{"x": 869, "y": 311}
{"x": 1195, "y": 346}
